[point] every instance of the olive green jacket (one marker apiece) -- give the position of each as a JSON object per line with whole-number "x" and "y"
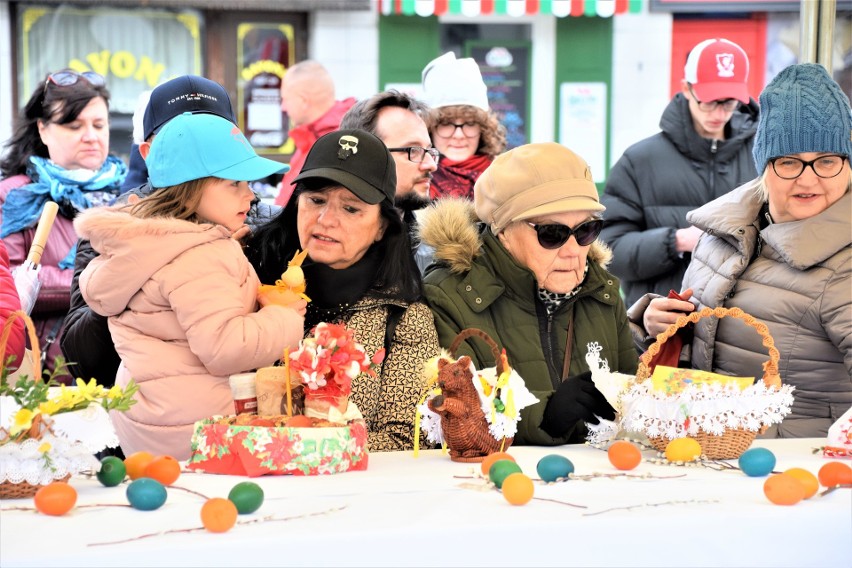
{"x": 475, "y": 282}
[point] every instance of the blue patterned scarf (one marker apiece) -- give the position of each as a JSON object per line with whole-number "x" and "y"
{"x": 72, "y": 190}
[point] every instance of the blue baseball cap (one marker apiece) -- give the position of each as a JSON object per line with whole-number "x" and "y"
{"x": 193, "y": 146}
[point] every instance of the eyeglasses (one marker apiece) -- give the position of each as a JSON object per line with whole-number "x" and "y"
{"x": 727, "y": 104}
{"x": 417, "y": 154}
{"x": 67, "y": 78}
{"x": 554, "y": 235}
{"x": 787, "y": 167}
{"x": 447, "y": 129}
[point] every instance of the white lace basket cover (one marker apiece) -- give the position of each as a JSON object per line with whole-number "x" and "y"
{"x": 499, "y": 424}
{"x": 70, "y": 449}
{"x": 711, "y": 408}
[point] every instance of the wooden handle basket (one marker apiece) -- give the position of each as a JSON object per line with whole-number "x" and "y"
{"x": 734, "y": 441}
{"x": 40, "y": 425}
{"x": 467, "y": 444}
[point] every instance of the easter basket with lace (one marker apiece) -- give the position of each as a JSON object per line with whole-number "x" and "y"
{"x": 49, "y": 432}
{"x": 472, "y": 413}
{"x": 724, "y": 414}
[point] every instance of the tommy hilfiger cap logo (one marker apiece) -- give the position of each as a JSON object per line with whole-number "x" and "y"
{"x": 348, "y": 146}
{"x": 725, "y": 64}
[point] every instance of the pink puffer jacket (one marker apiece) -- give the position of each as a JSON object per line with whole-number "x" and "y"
{"x": 181, "y": 299}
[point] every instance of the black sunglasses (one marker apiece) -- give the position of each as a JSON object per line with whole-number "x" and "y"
{"x": 67, "y": 78}
{"x": 554, "y": 235}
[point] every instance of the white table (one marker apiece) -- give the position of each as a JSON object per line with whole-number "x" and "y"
{"x": 406, "y": 511}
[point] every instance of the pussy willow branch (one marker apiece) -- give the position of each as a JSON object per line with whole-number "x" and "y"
{"x": 267, "y": 519}
{"x": 629, "y": 507}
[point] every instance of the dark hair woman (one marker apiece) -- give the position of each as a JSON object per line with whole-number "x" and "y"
{"x": 59, "y": 152}
{"x": 360, "y": 271}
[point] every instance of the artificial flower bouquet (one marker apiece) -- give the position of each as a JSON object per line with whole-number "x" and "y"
{"x": 325, "y": 363}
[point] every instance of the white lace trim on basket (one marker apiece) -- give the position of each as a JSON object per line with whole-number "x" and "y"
{"x": 91, "y": 426}
{"x": 38, "y": 462}
{"x": 712, "y": 408}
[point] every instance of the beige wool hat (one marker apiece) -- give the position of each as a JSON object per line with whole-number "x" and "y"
{"x": 533, "y": 180}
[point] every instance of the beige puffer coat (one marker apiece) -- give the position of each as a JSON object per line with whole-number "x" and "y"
{"x": 797, "y": 278}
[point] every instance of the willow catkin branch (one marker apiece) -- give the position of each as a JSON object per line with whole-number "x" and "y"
{"x": 267, "y": 519}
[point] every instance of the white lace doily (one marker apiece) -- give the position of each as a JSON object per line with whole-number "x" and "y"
{"x": 39, "y": 462}
{"x": 711, "y": 407}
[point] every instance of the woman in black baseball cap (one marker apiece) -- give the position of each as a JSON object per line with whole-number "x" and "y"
{"x": 360, "y": 271}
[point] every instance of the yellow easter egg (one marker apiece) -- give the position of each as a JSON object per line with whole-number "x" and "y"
{"x": 683, "y": 450}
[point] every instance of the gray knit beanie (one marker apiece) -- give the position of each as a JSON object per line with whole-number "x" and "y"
{"x": 802, "y": 110}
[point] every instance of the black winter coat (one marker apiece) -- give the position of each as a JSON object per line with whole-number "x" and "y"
{"x": 86, "y": 340}
{"x": 657, "y": 181}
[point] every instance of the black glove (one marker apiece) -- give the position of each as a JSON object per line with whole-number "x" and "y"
{"x": 576, "y": 399}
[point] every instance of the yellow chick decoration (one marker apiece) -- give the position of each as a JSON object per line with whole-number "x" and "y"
{"x": 291, "y": 286}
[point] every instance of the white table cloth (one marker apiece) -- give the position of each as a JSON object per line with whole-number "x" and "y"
{"x": 406, "y": 511}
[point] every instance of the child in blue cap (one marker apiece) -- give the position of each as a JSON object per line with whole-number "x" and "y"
{"x": 180, "y": 295}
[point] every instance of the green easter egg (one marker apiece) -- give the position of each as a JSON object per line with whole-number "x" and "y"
{"x": 247, "y": 496}
{"x": 112, "y": 471}
{"x": 501, "y": 469}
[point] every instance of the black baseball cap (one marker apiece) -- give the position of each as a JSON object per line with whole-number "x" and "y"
{"x": 355, "y": 159}
{"x": 187, "y": 93}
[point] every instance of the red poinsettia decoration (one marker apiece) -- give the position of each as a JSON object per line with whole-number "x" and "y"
{"x": 330, "y": 358}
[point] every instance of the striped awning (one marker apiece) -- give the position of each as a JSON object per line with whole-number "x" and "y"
{"x": 559, "y": 8}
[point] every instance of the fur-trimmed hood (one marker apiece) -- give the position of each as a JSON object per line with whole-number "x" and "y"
{"x": 451, "y": 227}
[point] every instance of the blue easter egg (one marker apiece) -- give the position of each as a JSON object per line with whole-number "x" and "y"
{"x": 553, "y": 466}
{"x": 757, "y": 462}
{"x": 146, "y": 494}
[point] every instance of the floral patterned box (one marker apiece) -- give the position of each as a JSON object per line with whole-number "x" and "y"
{"x": 256, "y": 450}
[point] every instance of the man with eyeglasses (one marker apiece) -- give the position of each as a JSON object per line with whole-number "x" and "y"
{"x": 398, "y": 120}
{"x": 702, "y": 152}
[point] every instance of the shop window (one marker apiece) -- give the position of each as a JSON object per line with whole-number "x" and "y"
{"x": 134, "y": 49}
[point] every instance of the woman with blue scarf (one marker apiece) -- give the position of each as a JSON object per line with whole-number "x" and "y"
{"x": 58, "y": 152}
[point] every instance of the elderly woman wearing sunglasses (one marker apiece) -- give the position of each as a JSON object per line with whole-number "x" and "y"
{"x": 58, "y": 152}
{"x": 523, "y": 264}
{"x": 780, "y": 248}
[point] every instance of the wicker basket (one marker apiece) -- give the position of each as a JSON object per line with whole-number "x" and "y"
{"x": 734, "y": 441}
{"x": 40, "y": 426}
{"x": 461, "y": 439}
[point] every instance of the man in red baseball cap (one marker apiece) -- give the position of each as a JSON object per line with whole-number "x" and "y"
{"x": 702, "y": 152}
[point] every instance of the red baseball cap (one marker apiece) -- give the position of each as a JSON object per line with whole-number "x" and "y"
{"x": 717, "y": 69}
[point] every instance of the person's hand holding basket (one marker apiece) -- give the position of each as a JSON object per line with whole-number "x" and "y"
{"x": 717, "y": 411}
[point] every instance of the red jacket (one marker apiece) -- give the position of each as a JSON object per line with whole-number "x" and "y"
{"x": 304, "y": 137}
{"x": 9, "y": 302}
{"x": 54, "y": 297}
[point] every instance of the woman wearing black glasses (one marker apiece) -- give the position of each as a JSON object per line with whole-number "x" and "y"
{"x": 58, "y": 152}
{"x": 462, "y": 125}
{"x": 779, "y": 248}
{"x": 523, "y": 264}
